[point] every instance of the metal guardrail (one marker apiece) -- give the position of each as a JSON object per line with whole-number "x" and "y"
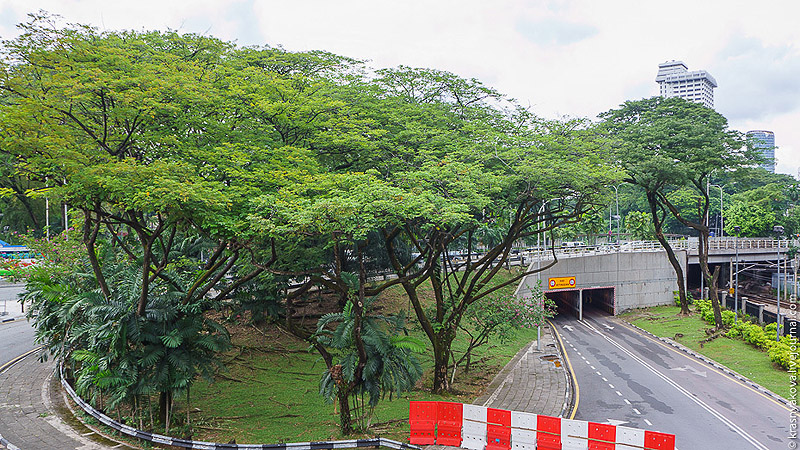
{"x": 690, "y": 245}
{"x": 185, "y": 443}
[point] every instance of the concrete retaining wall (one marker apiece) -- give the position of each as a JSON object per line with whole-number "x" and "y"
{"x": 639, "y": 279}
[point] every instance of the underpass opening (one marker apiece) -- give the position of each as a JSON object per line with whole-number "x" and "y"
{"x": 567, "y": 301}
{"x": 577, "y": 302}
{"x": 598, "y": 300}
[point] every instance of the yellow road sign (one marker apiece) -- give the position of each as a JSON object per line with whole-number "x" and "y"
{"x": 561, "y": 282}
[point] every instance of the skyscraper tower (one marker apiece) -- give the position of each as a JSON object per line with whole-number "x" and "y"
{"x": 764, "y": 141}
{"x": 675, "y": 80}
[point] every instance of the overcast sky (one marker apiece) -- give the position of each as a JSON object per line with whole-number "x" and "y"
{"x": 572, "y": 58}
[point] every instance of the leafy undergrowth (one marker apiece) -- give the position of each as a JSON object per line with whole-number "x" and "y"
{"x": 735, "y": 354}
{"x": 269, "y": 394}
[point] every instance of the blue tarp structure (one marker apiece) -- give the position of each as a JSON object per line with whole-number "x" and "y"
{"x": 6, "y": 244}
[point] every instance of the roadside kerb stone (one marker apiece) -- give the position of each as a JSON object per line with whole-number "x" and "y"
{"x": 720, "y": 367}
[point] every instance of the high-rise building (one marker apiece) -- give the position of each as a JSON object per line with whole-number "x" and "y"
{"x": 675, "y": 80}
{"x": 764, "y": 141}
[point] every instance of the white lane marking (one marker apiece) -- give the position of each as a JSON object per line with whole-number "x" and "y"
{"x": 619, "y": 393}
{"x": 604, "y": 379}
{"x": 611, "y": 386}
{"x": 691, "y": 369}
{"x": 599, "y": 373}
{"x": 680, "y": 389}
{"x": 637, "y": 411}
{"x": 627, "y": 401}
{"x": 593, "y": 367}
{"x": 650, "y": 424}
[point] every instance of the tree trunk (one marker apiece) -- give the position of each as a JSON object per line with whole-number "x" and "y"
{"x": 345, "y": 421}
{"x": 715, "y": 299}
{"x": 441, "y": 358}
{"x": 710, "y": 279}
{"x": 676, "y": 265}
{"x": 164, "y": 403}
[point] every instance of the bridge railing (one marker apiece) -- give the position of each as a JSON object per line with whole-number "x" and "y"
{"x": 730, "y": 243}
{"x": 690, "y": 245}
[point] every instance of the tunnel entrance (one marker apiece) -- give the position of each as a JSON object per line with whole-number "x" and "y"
{"x": 577, "y": 302}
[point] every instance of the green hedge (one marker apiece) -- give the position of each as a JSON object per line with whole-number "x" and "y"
{"x": 781, "y": 352}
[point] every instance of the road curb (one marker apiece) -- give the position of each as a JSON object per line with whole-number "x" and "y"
{"x": 741, "y": 378}
{"x": 4, "y": 444}
{"x": 11, "y": 319}
{"x": 19, "y": 358}
{"x": 570, "y": 394}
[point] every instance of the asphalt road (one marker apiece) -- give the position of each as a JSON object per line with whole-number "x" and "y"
{"x": 628, "y": 378}
{"x": 16, "y": 337}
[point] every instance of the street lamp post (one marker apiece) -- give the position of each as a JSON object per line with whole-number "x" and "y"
{"x": 778, "y": 231}
{"x": 736, "y": 229}
{"x": 721, "y": 219}
{"x": 616, "y": 200}
{"x": 539, "y": 266}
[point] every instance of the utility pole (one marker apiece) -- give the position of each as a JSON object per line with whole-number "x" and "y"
{"x": 736, "y": 286}
{"x": 778, "y": 231}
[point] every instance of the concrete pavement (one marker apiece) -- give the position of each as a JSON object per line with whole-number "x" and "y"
{"x": 33, "y": 412}
{"x": 533, "y": 381}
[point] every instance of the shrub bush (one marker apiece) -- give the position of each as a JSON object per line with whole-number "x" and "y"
{"x": 781, "y": 353}
{"x": 784, "y": 353}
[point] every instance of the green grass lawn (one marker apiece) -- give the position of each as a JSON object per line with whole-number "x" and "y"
{"x": 270, "y": 392}
{"x": 735, "y": 354}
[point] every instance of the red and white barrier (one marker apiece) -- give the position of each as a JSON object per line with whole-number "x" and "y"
{"x": 480, "y": 428}
{"x": 474, "y": 427}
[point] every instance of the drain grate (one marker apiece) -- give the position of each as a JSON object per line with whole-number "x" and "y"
{"x": 551, "y": 358}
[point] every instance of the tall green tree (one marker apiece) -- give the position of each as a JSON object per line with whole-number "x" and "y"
{"x": 139, "y": 133}
{"x": 668, "y": 143}
{"x": 477, "y": 161}
{"x": 340, "y": 213}
{"x": 753, "y": 220}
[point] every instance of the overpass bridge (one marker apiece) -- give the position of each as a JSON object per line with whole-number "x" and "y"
{"x": 615, "y": 278}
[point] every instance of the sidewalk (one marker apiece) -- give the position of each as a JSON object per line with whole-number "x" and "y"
{"x": 533, "y": 381}
{"x": 33, "y": 412}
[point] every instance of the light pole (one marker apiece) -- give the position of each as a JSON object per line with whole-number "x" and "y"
{"x": 794, "y": 285}
{"x": 736, "y": 229}
{"x": 778, "y": 231}
{"x": 616, "y": 200}
{"x": 539, "y": 267}
{"x": 721, "y": 219}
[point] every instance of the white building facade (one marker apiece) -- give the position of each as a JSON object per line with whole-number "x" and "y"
{"x": 675, "y": 80}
